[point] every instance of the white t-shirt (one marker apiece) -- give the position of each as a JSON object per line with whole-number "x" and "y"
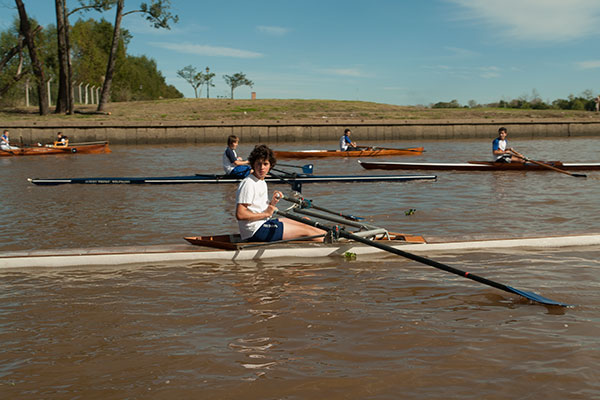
{"x": 228, "y": 164}
{"x": 344, "y": 143}
{"x": 498, "y": 144}
{"x": 254, "y": 192}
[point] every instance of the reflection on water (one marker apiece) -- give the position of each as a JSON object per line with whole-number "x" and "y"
{"x": 333, "y": 328}
{"x": 458, "y": 203}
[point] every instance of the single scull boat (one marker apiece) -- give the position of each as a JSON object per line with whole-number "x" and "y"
{"x": 215, "y": 179}
{"x": 477, "y": 166}
{"x": 366, "y": 152}
{"x": 81, "y": 148}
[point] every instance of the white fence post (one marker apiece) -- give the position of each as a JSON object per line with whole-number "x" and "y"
{"x": 49, "y": 93}
{"x": 86, "y": 92}
{"x": 27, "y": 92}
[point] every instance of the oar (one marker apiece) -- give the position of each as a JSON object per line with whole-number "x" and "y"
{"x": 342, "y": 232}
{"x": 296, "y": 185}
{"x": 516, "y": 153}
{"x": 392, "y": 148}
{"x": 306, "y": 169}
{"x": 303, "y": 203}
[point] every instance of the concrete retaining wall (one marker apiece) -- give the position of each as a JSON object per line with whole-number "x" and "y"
{"x": 289, "y": 132}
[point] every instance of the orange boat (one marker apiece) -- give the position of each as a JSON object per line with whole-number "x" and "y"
{"x": 84, "y": 148}
{"x": 366, "y": 152}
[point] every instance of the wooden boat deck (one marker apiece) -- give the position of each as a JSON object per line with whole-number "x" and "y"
{"x": 368, "y": 152}
{"x": 72, "y": 148}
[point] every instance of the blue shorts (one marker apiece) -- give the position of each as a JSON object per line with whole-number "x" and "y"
{"x": 241, "y": 171}
{"x": 270, "y": 231}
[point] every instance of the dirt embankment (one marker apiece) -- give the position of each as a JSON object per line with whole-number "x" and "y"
{"x": 255, "y": 111}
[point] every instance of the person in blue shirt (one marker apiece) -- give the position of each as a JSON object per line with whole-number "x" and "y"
{"x": 233, "y": 165}
{"x": 346, "y": 144}
{"x": 500, "y": 151}
{"x": 5, "y": 142}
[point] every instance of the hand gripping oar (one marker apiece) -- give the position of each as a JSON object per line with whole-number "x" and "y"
{"x": 516, "y": 153}
{"x": 343, "y": 233}
{"x": 306, "y": 169}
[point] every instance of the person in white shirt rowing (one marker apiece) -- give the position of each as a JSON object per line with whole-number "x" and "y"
{"x": 5, "y": 142}
{"x": 234, "y": 165}
{"x": 500, "y": 152}
{"x": 346, "y": 144}
{"x": 254, "y": 212}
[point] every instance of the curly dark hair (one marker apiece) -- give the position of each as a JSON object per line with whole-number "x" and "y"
{"x": 262, "y": 152}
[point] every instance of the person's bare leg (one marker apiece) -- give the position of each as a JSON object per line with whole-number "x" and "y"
{"x": 293, "y": 229}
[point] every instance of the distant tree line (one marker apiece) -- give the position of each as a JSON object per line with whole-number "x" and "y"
{"x": 585, "y": 101}
{"x": 89, "y": 51}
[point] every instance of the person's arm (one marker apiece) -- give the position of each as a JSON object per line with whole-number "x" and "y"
{"x": 243, "y": 213}
{"x": 239, "y": 161}
{"x": 497, "y": 151}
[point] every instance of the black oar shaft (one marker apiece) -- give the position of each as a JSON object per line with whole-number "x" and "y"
{"x": 308, "y": 204}
{"x": 427, "y": 261}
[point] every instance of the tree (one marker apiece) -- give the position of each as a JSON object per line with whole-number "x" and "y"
{"x": 236, "y": 80}
{"x": 157, "y": 13}
{"x": 191, "y": 76}
{"x": 15, "y": 74}
{"x": 65, "y": 101}
{"x": 26, "y": 31}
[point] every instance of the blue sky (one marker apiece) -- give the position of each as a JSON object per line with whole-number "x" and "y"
{"x": 398, "y": 52}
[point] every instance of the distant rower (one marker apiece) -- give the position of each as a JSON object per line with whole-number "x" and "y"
{"x": 500, "y": 152}
{"x": 61, "y": 140}
{"x": 346, "y": 144}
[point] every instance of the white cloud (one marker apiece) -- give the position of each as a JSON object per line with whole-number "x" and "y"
{"x": 534, "y": 20}
{"x": 273, "y": 30}
{"x": 489, "y": 72}
{"x": 591, "y": 64}
{"x": 204, "y": 50}
{"x": 459, "y": 52}
{"x": 353, "y": 72}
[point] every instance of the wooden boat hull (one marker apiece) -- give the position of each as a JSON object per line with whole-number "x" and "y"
{"x": 197, "y": 255}
{"x": 477, "y": 166}
{"x": 216, "y": 179}
{"x": 372, "y": 152}
{"x": 234, "y": 242}
{"x": 75, "y": 148}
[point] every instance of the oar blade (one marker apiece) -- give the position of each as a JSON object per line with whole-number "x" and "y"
{"x": 538, "y": 298}
{"x": 307, "y": 169}
{"x": 579, "y": 175}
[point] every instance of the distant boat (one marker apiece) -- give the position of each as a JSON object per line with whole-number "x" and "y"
{"x": 364, "y": 152}
{"x": 83, "y": 148}
{"x": 478, "y": 166}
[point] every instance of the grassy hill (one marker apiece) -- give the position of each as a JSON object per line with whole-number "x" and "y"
{"x": 284, "y": 110}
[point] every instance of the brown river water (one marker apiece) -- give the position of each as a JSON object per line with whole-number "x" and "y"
{"x": 369, "y": 328}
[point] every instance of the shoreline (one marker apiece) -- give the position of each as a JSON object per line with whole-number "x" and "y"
{"x": 199, "y": 121}
{"x": 290, "y": 131}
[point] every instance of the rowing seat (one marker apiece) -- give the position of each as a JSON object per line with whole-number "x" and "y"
{"x": 373, "y": 233}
